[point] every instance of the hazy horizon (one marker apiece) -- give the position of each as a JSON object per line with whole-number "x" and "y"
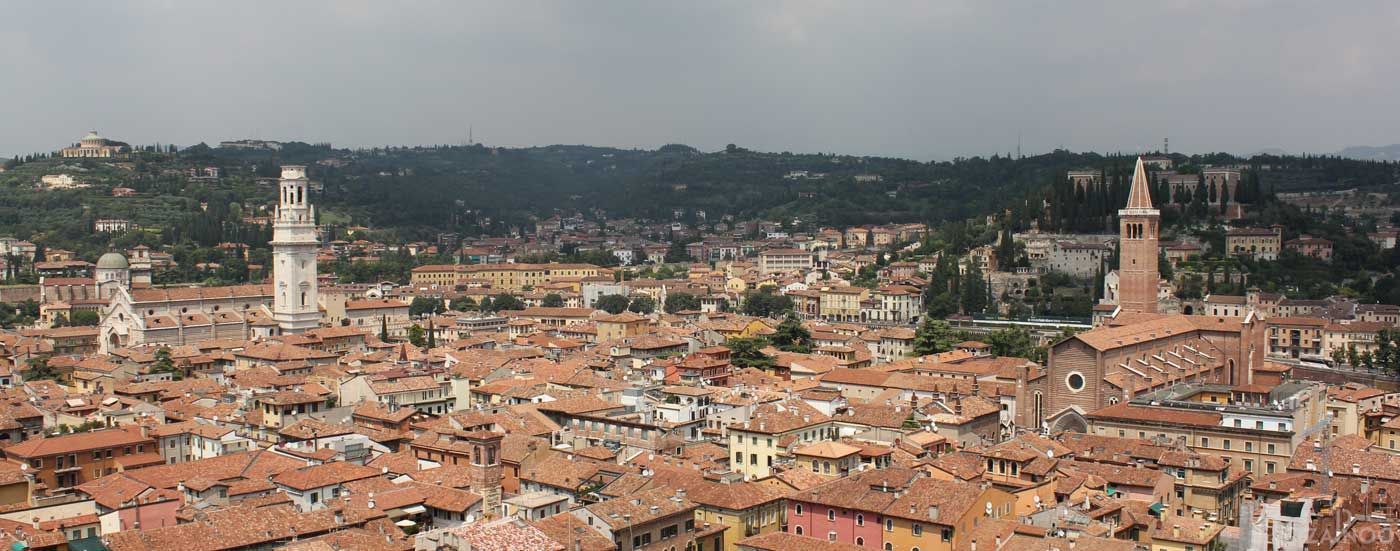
{"x": 909, "y": 80}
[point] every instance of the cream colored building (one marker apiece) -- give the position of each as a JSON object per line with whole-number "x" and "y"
{"x": 1258, "y": 243}
{"x": 375, "y": 314}
{"x": 775, "y": 261}
{"x": 94, "y": 146}
{"x": 758, "y": 444}
{"x": 511, "y": 278}
{"x": 841, "y": 303}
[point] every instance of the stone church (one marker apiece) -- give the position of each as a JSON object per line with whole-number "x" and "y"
{"x": 1137, "y": 350}
{"x": 190, "y": 315}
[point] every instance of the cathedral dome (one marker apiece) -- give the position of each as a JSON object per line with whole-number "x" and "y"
{"x": 112, "y": 261}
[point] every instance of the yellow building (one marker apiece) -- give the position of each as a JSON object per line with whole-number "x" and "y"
{"x": 1352, "y": 406}
{"x": 1388, "y": 437}
{"x": 621, "y": 326}
{"x": 1250, "y": 432}
{"x": 744, "y": 509}
{"x": 503, "y": 277}
{"x": 1206, "y": 486}
{"x": 15, "y": 486}
{"x": 937, "y": 515}
{"x": 758, "y": 443}
{"x": 1185, "y": 534}
{"x": 738, "y": 328}
{"x": 842, "y": 303}
{"x": 828, "y": 459}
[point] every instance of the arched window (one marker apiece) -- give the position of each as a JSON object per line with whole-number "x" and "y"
{"x": 831, "y": 514}
{"x": 797, "y": 509}
{"x": 889, "y": 546}
{"x": 797, "y": 530}
{"x": 860, "y": 541}
{"x": 860, "y": 519}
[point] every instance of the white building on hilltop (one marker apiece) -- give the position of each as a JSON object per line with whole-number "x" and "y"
{"x": 94, "y": 146}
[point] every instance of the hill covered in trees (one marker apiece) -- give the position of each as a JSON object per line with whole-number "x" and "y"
{"x": 413, "y": 193}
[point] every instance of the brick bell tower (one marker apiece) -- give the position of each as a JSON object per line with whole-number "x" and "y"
{"x": 485, "y": 474}
{"x": 1139, "y": 226}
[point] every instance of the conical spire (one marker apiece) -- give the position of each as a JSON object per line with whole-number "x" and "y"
{"x": 1139, "y": 196}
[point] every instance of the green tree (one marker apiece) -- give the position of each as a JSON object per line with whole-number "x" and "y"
{"x": 677, "y": 302}
{"x": 748, "y": 352}
{"x": 164, "y": 364}
{"x": 642, "y": 304}
{"x": 676, "y": 252}
{"x": 39, "y": 369}
{"x": 766, "y": 303}
{"x": 934, "y": 336}
{"x": 1015, "y": 342}
{"x": 425, "y": 306}
{"x": 791, "y": 336}
{"x": 84, "y": 318}
{"x": 432, "y": 334}
{"x": 505, "y": 301}
{"x": 416, "y": 336}
{"x": 974, "y": 290}
{"x": 384, "y": 328}
{"x": 612, "y": 304}
{"x": 552, "y": 300}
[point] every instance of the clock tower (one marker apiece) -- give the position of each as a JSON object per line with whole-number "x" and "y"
{"x": 294, "y": 247}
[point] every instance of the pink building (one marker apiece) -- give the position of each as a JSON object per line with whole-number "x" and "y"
{"x": 145, "y": 515}
{"x": 822, "y": 522}
{"x": 1308, "y": 245}
{"x": 848, "y": 510}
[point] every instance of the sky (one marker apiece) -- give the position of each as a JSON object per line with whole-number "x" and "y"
{"x": 926, "y": 80}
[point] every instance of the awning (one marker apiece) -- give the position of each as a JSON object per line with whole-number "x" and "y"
{"x": 405, "y": 523}
{"x": 1156, "y": 508}
{"x": 414, "y": 509}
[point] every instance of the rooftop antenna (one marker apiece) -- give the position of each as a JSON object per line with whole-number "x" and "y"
{"x": 471, "y": 137}
{"x": 1165, "y": 149}
{"x": 1018, "y": 146}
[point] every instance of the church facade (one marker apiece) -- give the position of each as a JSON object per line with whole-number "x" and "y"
{"x": 1137, "y": 350}
{"x": 190, "y": 315}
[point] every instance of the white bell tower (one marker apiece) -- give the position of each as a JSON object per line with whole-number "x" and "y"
{"x": 294, "y": 246}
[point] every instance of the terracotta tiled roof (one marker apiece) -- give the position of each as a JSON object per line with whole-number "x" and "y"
{"x": 567, "y": 529}
{"x": 201, "y": 293}
{"x": 81, "y": 442}
{"x": 783, "y": 541}
{"x": 320, "y": 476}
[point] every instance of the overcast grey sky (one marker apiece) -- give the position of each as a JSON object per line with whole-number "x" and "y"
{"x": 920, "y": 79}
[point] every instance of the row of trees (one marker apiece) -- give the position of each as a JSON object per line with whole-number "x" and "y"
{"x": 935, "y": 336}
